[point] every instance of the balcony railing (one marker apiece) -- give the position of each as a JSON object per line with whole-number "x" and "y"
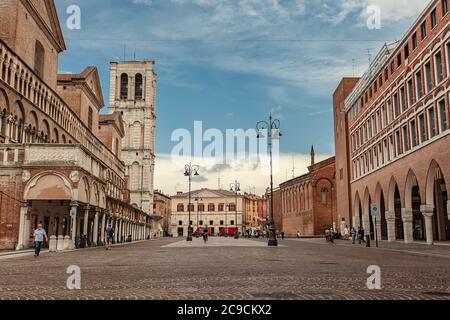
{"x": 15, "y": 73}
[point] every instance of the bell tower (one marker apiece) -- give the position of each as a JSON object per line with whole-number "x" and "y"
{"x": 133, "y": 94}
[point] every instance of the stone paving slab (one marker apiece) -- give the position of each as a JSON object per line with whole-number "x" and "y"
{"x": 298, "y": 270}
{"x": 217, "y": 242}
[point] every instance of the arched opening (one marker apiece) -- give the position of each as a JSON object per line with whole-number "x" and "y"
{"x": 384, "y": 230}
{"x": 398, "y": 214}
{"x": 124, "y": 86}
{"x": 437, "y": 195}
{"x": 413, "y": 202}
{"x": 138, "y": 87}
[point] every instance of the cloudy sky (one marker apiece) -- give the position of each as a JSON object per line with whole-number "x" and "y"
{"x": 229, "y": 63}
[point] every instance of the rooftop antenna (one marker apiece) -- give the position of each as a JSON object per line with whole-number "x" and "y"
{"x": 293, "y": 167}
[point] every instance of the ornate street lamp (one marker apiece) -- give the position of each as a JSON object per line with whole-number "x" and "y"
{"x": 236, "y": 187}
{"x": 273, "y": 133}
{"x": 190, "y": 170}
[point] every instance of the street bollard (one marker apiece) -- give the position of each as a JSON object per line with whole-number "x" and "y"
{"x": 368, "y": 241}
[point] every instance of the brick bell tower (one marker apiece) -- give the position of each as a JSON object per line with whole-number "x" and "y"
{"x": 133, "y": 94}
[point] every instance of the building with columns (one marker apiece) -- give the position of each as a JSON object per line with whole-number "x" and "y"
{"x": 59, "y": 161}
{"x": 392, "y": 135}
{"x": 216, "y": 209}
{"x": 161, "y": 212}
{"x": 308, "y": 202}
{"x": 133, "y": 95}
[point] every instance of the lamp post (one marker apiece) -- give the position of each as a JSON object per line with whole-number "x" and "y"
{"x": 236, "y": 187}
{"x": 190, "y": 170}
{"x": 198, "y": 210}
{"x": 273, "y": 133}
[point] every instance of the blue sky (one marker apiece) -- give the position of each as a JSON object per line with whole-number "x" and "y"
{"x": 230, "y": 62}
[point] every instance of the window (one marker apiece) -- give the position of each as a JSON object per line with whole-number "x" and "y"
{"x": 433, "y": 19}
{"x": 406, "y": 49}
{"x": 423, "y": 30}
{"x": 211, "y": 207}
{"x": 402, "y": 99}
{"x": 390, "y": 111}
{"x": 405, "y": 138}
{"x": 419, "y": 87}
{"x": 386, "y": 74}
{"x": 392, "y": 67}
{"x": 398, "y": 143}
{"x": 391, "y": 148}
{"x": 412, "y": 128}
{"x": 191, "y": 207}
{"x": 222, "y": 222}
{"x": 399, "y": 60}
{"x": 432, "y": 122}
{"x": 443, "y": 115}
{"x": 414, "y": 40}
{"x": 124, "y": 86}
{"x": 211, "y": 223}
{"x": 438, "y": 65}
{"x": 201, "y": 207}
{"x": 180, "y": 223}
{"x": 422, "y": 131}
{"x": 410, "y": 92}
{"x": 180, "y": 207}
{"x": 232, "y": 222}
{"x": 444, "y": 7}
{"x": 232, "y": 207}
{"x": 395, "y": 103}
{"x": 428, "y": 77}
{"x": 200, "y": 223}
{"x": 90, "y": 120}
{"x": 138, "y": 87}
{"x": 39, "y": 59}
{"x": 221, "y": 207}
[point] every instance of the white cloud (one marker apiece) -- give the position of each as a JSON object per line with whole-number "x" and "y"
{"x": 170, "y": 178}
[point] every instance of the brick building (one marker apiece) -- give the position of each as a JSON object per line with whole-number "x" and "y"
{"x": 393, "y": 138}
{"x": 216, "y": 209}
{"x": 308, "y": 202}
{"x": 250, "y": 214}
{"x": 277, "y": 216}
{"x": 162, "y": 204}
{"x": 58, "y": 162}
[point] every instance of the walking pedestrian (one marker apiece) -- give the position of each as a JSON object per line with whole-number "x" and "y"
{"x": 354, "y": 234}
{"x": 298, "y": 234}
{"x": 109, "y": 237}
{"x": 282, "y": 235}
{"x": 39, "y": 236}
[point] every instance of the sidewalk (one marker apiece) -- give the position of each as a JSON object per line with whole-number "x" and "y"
{"x": 441, "y": 249}
{"x": 30, "y": 252}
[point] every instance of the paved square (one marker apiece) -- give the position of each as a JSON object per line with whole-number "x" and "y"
{"x": 168, "y": 269}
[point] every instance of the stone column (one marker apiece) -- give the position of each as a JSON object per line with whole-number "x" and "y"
{"x": 448, "y": 209}
{"x": 22, "y": 231}
{"x": 73, "y": 215}
{"x": 8, "y": 130}
{"x": 407, "y": 217}
{"x": 97, "y": 211}
{"x": 356, "y": 221}
{"x": 366, "y": 225}
{"x": 390, "y": 221}
{"x": 86, "y": 220}
{"x": 102, "y": 237}
{"x": 378, "y": 226}
{"x": 428, "y": 213}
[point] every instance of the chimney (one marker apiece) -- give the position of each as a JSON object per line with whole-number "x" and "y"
{"x": 313, "y": 154}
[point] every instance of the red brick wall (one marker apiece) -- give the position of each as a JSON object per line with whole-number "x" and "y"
{"x": 342, "y": 147}
{"x": 11, "y": 188}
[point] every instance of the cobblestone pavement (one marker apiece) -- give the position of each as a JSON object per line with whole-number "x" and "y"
{"x": 295, "y": 270}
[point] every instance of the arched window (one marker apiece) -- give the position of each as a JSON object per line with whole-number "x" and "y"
{"x": 39, "y": 59}
{"x": 124, "y": 86}
{"x": 138, "y": 87}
